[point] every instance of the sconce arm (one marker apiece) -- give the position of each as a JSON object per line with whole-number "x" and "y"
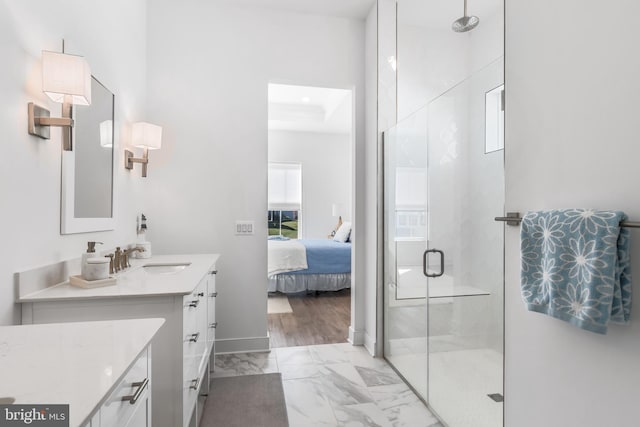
{"x": 54, "y": 121}
{"x": 40, "y": 121}
{"x": 129, "y": 160}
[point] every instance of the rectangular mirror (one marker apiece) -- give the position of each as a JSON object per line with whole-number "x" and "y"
{"x": 87, "y": 171}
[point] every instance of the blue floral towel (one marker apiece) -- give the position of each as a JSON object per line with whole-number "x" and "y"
{"x": 576, "y": 266}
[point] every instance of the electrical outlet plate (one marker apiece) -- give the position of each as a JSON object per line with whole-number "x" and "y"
{"x": 244, "y": 228}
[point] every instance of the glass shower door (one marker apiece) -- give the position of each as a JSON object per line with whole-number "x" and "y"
{"x": 465, "y": 303}
{"x": 444, "y": 184}
{"x": 405, "y": 286}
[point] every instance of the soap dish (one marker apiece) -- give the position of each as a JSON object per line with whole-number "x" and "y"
{"x": 89, "y": 284}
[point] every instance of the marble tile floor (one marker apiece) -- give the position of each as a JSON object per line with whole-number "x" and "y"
{"x": 334, "y": 385}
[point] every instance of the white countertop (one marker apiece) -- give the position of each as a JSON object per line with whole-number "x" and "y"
{"x": 136, "y": 282}
{"x": 78, "y": 364}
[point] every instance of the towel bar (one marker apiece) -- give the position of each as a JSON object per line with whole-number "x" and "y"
{"x": 514, "y": 218}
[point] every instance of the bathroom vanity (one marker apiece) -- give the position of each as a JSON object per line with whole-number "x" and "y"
{"x": 100, "y": 369}
{"x": 181, "y": 289}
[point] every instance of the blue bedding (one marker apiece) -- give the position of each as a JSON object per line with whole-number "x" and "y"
{"x": 324, "y": 256}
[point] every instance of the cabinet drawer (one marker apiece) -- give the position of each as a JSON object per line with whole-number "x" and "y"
{"x": 195, "y": 339}
{"x": 193, "y": 304}
{"x": 211, "y": 335}
{"x": 192, "y": 356}
{"x": 211, "y": 309}
{"x": 194, "y": 318}
{"x": 190, "y": 387}
{"x": 132, "y": 392}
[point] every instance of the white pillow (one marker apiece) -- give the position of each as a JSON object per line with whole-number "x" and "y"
{"x": 342, "y": 235}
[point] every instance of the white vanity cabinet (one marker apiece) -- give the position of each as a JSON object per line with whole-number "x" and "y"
{"x": 182, "y": 349}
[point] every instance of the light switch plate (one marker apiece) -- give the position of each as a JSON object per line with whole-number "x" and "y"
{"x": 244, "y": 228}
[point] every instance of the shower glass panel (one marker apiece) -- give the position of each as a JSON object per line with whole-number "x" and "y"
{"x": 405, "y": 286}
{"x": 444, "y": 333}
{"x": 465, "y": 305}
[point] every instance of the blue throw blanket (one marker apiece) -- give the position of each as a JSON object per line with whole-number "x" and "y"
{"x": 325, "y": 256}
{"x": 576, "y": 266}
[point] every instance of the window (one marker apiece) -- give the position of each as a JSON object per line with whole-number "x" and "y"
{"x": 284, "y": 199}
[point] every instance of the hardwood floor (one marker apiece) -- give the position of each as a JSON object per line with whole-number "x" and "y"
{"x": 316, "y": 319}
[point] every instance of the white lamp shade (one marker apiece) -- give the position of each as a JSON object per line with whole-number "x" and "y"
{"x": 106, "y": 133}
{"x": 146, "y": 135}
{"x": 336, "y": 209}
{"x": 66, "y": 78}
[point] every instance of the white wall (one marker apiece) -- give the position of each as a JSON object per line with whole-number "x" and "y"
{"x": 209, "y": 66}
{"x": 326, "y": 175}
{"x": 370, "y": 334}
{"x": 111, "y": 34}
{"x": 571, "y": 141}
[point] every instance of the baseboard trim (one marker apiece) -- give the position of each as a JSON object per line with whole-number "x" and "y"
{"x": 243, "y": 345}
{"x": 356, "y": 337}
{"x": 362, "y": 338}
{"x": 370, "y": 344}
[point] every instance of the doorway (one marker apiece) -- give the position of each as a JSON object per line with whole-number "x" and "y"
{"x": 310, "y": 210}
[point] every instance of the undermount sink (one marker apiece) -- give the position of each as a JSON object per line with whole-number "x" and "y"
{"x": 166, "y": 268}
{"x": 7, "y": 400}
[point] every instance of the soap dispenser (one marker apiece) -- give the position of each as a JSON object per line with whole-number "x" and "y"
{"x": 141, "y": 242}
{"x": 91, "y": 253}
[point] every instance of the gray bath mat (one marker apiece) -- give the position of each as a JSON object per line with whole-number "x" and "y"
{"x": 248, "y": 400}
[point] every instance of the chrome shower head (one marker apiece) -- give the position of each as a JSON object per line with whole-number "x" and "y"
{"x": 466, "y": 23}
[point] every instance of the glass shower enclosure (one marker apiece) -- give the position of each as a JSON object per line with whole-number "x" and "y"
{"x": 443, "y": 261}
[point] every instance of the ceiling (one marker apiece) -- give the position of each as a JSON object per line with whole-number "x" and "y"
{"x": 309, "y": 109}
{"x": 354, "y": 9}
{"x": 442, "y": 13}
{"x": 423, "y": 13}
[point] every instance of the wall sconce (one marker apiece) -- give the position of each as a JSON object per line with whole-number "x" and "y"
{"x": 146, "y": 136}
{"x": 65, "y": 79}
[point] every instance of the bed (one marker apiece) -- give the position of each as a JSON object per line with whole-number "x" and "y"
{"x": 308, "y": 265}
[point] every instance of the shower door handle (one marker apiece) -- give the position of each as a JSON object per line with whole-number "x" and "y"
{"x": 424, "y": 262}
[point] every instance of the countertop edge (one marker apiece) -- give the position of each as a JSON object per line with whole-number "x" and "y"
{"x": 35, "y": 297}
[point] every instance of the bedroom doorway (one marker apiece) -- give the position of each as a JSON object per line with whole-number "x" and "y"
{"x": 310, "y": 208}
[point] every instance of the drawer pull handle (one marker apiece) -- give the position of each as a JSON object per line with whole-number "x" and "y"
{"x": 194, "y": 303}
{"x": 213, "y": 272}
{"x": 213, "y": 294}
{"x": 194, "y": 337}
{"x": 214, "y": 325}
{"x": 200, "y": 294}
{"x": 135, "y": 396}
{"x": 194, "y": 384}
